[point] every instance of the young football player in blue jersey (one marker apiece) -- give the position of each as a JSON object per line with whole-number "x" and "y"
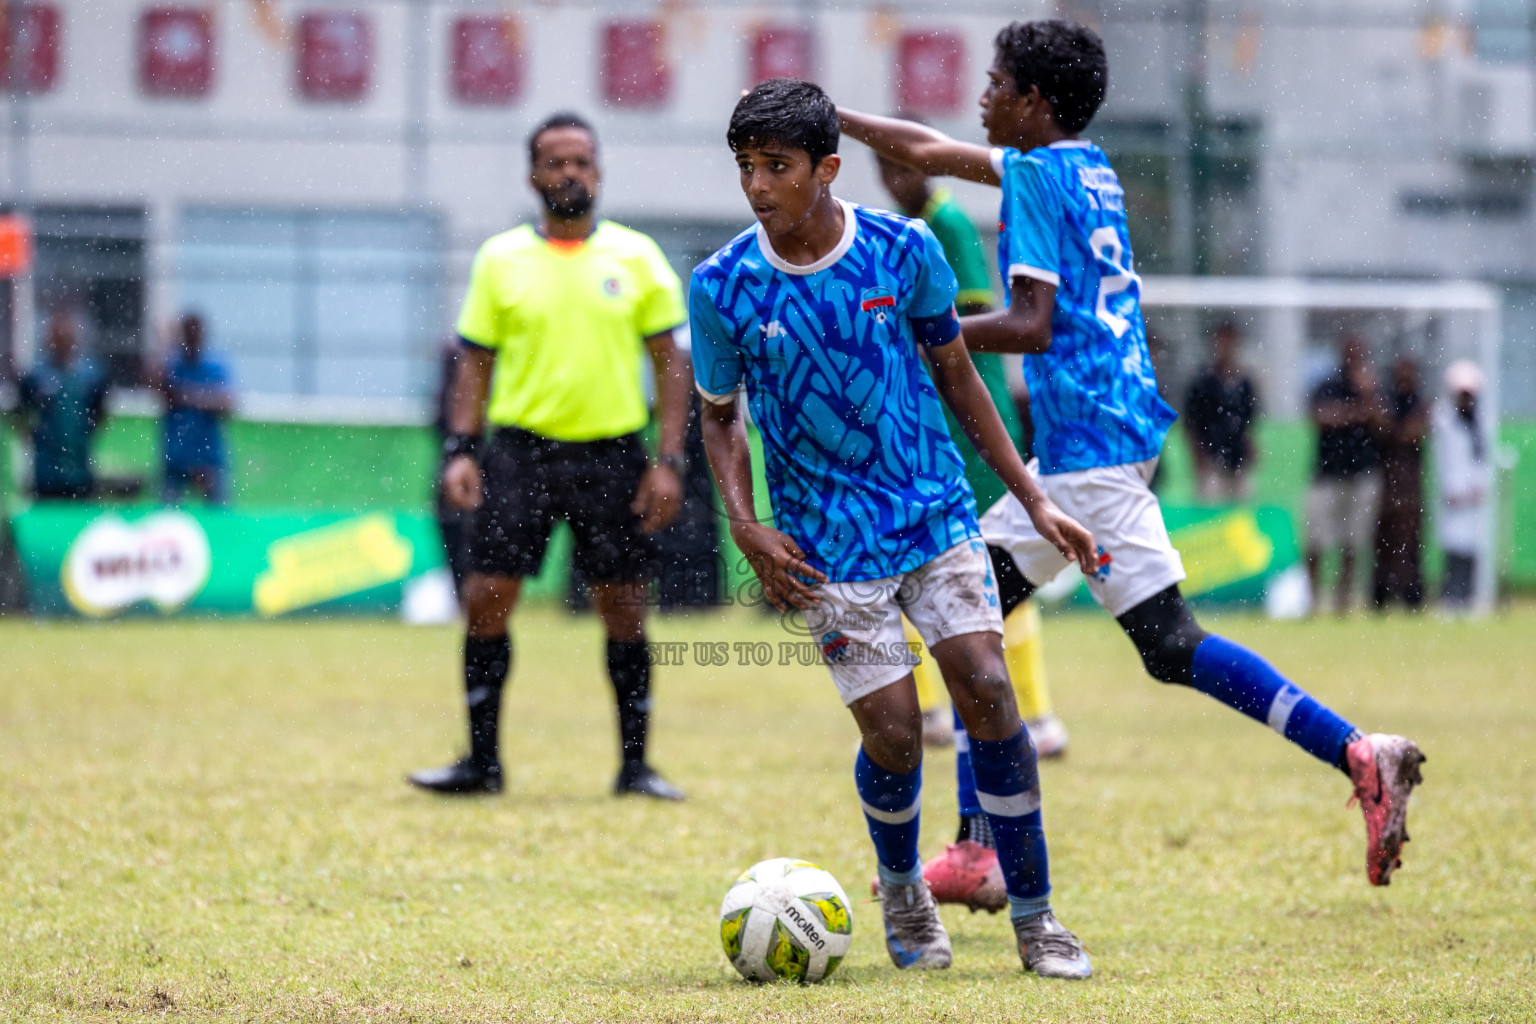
{"x": 1075, "y": 314}
{"x": 822, "y": 312}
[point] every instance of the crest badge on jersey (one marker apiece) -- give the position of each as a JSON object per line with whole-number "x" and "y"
{"x": 877, "y": 300}
{"x": 613, "y": 287}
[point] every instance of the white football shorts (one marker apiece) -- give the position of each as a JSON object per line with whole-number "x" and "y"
{"x": 1136, "y": 559}
{"x": 858, "y": 624}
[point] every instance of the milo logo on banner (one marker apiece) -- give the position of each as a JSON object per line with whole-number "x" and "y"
{"x": 163, "y": 558}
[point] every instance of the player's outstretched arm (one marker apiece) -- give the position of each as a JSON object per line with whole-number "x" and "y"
{"x": 917, "y": 145}
{"x": 963, "y": 391}
{"x": 776, "y": 559}
{"x": 1023, "y": 326}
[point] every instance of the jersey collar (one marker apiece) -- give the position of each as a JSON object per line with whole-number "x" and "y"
{"x": 567, "y": 245}
{"x": 838, "y": 251}
{"x": 1071, "y": 144}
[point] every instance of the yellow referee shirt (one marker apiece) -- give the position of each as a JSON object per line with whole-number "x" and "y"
{"x": 568, "y": 323}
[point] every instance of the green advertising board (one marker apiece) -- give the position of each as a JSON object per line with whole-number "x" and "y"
{"x": 1230, "y": 555}
{"x": 97, "y": 561}
{"x": 100, "y": 561}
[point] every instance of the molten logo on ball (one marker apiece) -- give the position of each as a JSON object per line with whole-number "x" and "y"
{"x": 785, "y": 919}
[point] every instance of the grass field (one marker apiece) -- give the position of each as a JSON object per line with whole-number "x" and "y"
{"x": 208, "y": 821}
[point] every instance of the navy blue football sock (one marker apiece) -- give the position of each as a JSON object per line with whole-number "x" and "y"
{"x": 1241, "y": 679}
{"x": 891, "y": 803}
{"x": 1008, "y": 789}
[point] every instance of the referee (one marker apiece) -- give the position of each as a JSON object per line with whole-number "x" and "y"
{"x": 554, "y": 328}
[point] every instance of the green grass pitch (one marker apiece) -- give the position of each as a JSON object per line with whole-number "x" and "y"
{"x": 207, "y": 821}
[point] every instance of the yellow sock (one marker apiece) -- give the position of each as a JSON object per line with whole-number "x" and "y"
{"x": 1024, "y": 652}
{"x": 930, "y": 684}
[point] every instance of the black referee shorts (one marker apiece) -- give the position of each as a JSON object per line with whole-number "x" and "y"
{"x": 531, "y": 481}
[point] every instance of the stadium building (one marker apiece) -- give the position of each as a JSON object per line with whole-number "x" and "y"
{"x": 314, "y": 177}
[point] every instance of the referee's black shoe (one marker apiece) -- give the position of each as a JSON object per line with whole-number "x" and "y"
{"x": 639, "y": 779}
{"x": 464, "y": 777}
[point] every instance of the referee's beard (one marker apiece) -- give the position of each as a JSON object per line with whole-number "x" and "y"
{"x": 568, "y": 200}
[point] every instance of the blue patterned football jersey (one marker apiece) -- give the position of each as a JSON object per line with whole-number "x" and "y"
{"x": 861, "y": 470}
{"x": 1092, "y": 395}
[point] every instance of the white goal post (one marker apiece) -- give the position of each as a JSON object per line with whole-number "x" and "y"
{"x": 1282, "y": 345}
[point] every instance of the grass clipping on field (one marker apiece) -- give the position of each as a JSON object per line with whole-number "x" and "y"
{"x": 209, "y": 821}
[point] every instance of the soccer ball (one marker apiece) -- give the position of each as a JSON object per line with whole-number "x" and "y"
{"x": 785, "y": 918}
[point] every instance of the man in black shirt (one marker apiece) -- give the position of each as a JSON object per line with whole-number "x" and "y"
{"x": 1397, "y": 570}
{"x": 1348, "y": 411}
{"x": 1218, "y": 414}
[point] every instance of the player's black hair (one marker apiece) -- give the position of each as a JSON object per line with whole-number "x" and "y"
{"x": 789, "y": 112}
{"x": 1064, "y": 60}
{"x": 560, "y": 119}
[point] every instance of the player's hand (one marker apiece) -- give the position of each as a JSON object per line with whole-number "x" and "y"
{"x": 659, "y": 498}
{"x": 779, "y": 564}
{"x": 1068, "y": 536}
{"x": 461, "y": 482}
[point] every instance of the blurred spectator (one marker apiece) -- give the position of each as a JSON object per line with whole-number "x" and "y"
{"x": 62, "y": 401}
{"x": 452, "y": 521}
{"x": 1348, "y": 410}
{"x": 1398, "y": 567}
{"x": 198, "y": 397}
{"x": 1463, "y": 470}
{"x": 1218, "y": 413}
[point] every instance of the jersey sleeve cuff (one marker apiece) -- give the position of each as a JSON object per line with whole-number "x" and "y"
{"x": 997, "y": 155}
{"x": 472, "y": 343}
{"x": 933, "y": 331}
{"x": 667, "y": 325}
{"x": 1050, "y": 277}
{"x": 712, "y": 398}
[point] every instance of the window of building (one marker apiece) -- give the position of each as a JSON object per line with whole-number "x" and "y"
{"x": 176, "y": 52}
{"x": 488, "y": 59}
{"x": 334, "y": 56}
{"x": 90, "y": 263}
{"x": 636, "y": 71}
{"x": 781, "y": 51}
{"x": 29, "y": 47}
{"x": 326, "y": 303}
{"x": 930, "y": 70}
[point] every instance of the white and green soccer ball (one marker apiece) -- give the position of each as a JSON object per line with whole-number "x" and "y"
{"x": 786, "y": 918}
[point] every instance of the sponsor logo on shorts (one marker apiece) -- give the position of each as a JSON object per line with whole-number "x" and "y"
{"x": 1105, "y": 559}
{"x": 834, "y": 647}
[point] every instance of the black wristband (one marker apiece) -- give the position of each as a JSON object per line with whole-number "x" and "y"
{"x": 460, "y": 444}
{"x": 673, "y": 462}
